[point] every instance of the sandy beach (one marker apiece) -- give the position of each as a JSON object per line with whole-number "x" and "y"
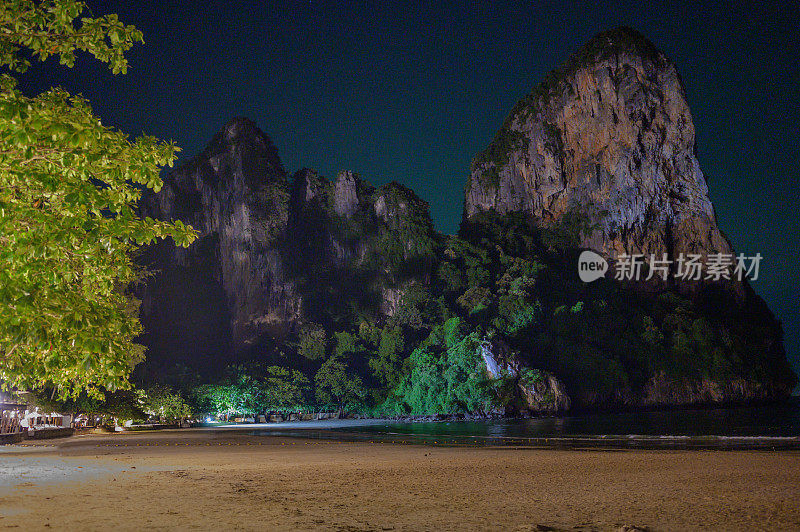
{"x": 204, "y": 480}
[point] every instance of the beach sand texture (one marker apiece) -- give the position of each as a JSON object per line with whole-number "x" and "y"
{"x": 204, "y": 480}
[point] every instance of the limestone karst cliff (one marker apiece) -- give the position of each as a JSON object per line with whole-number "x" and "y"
{"x": 234, "y": 194}
{"x": 604, "y": 152}
{"x": 608, "y": 136}
{"x": 273, "y": 250}
{"x": 352, "y": 284}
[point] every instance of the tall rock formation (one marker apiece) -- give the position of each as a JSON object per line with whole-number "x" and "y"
{"x": 235, "y": 195}
{"x": 605, "y": 148}
{"x": 609, "y": 137}
{"x": 605, "y": 144}
{"x": 273, "y": 251}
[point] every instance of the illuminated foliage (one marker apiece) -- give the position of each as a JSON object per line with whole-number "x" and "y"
{"x": 312, "y": 341}
{"x": 338, "y": 385}
{"x": 68, "y": 223}
{"x": 447, "y": 374}
{"x": 250, "y": 391}
{"x": 163, "y": 402}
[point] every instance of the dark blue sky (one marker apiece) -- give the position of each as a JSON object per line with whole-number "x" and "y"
{"x": 410, "y": 92}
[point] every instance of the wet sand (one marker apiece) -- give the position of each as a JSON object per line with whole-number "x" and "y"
{"x": 212, "y": 480}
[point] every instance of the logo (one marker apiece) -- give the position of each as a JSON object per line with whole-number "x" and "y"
{"x": 591, "y": 266}
{"x": 717, "y": 267}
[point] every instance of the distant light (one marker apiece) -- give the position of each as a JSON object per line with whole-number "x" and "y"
{"x": 209, "y": 420}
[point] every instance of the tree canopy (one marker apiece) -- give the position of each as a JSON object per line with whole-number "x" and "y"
{"x": 68, "y": 220}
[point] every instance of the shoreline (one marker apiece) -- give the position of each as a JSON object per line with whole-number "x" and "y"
{"x": 340, "y": 431}
{"x": 191, "y": 478}
{"x": 576, "y": 442}
{"x": 553, "y": 432}
{"x": 506, "y": 431}
{"x": 790, "y": 401}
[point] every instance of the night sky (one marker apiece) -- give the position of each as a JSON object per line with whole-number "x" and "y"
{"x": 411, "y": 92}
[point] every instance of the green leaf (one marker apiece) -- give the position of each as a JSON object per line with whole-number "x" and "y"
{"x": 65, "y": 264}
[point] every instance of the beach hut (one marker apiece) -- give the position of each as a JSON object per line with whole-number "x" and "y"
{"x": 42, "y": 420}
{"x": 10, "y": 418}
{"x": 11, "y": 415}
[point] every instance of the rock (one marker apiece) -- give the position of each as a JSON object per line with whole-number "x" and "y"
{"x": 308, "y": 186}
{"x": 601, "y": 156}
{"x": 607, "y": 142}
{"x": 272, "y": 252}
{"x": 391, "y": 297}
{"x": 345, "y": 194}
{"x": 603, "y": 151}
{"x": 544, "y": 392}
{"x": 540, "y": 391}
{"x": 663, "y": 390}
{"x": 235, "y": 195}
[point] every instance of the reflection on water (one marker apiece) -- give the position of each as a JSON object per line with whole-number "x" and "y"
{"x": 773, "y": 421}
{"x": 766, "y": 427}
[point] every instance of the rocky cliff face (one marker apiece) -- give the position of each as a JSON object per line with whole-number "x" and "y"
{"x": 271, "y": 249}
{"x": 355, "y": 248}
{"x": 609, "y": 137}
{"x": 535, "y": 390}
{"x": 605, "y": 145}
{"x": 604, "y": 150}
{"x": 235, "y": 195}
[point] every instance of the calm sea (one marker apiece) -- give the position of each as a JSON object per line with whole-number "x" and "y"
{"x": 753, "y": 427}
{"x": 781, "y": 420}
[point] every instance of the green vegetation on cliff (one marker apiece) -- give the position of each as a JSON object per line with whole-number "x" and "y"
{"x": 505, "y": 279}
{"x": 389, "y": 317}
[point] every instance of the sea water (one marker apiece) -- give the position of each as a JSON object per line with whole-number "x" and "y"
{"x": 775, "y": 426}
{"x": 778, "y": 420}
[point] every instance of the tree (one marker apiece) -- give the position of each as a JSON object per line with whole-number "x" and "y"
{"x": 246, "y": 389}
{"x": 285, "y": 389}
{"x": 119, "y": 405}
{"x": 338, "y": 385}
{"x": 447, "y": 374}
{"x": 124, "y": 405}
{"x": 215, "y": 398}
{"x": 163, "y": 402}
{"x": 311, "y": 344}
{"x": 68, "y": 223}
{"x": 239, "y": 392}
{"x": 386, "y": 367}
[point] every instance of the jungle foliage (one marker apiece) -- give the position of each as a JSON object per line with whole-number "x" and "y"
{"x": 68, "y": 222}
{"x": 503, "y": 278}
{"x": 392, "y": 323}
